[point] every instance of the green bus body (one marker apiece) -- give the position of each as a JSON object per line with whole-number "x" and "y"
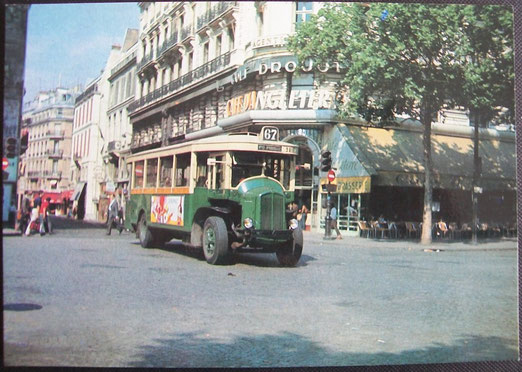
{"x": 250, "y": 216}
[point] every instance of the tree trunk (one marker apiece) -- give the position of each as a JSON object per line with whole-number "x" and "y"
{"x": 428, "y": 179}
{"x": 476, "y": 177}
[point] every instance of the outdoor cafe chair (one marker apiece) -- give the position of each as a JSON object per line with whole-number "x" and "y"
{"x": 364, "y": 230}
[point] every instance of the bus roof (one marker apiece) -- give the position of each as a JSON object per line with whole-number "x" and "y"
{"x": 227, "y": 142}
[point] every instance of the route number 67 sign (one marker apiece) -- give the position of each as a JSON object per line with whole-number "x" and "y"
{"x": 270, "y": 134}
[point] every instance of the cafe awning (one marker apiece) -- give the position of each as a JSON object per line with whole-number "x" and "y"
{"x": 394, "y": 157}
{"x": 78, "y": 190}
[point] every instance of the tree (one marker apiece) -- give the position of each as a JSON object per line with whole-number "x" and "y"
{"x": 487, "y": 75}
{"x": 401, "y": 59}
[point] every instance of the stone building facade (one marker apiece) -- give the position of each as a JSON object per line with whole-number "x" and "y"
{"x": 48, "y": 121}
{"x": 101, "y": 132}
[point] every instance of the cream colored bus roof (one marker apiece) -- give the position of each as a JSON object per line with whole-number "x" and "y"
{"x": 228, "y": 142}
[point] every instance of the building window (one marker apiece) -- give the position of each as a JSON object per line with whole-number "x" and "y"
{"x": 205, "y": 52}
{"x": 190, "y": 61}
{"x": 218, "y": 46}
{"x": 303, "y": 11}
{"x": 231, "y": 38}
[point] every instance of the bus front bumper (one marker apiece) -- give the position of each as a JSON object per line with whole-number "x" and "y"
{"x": 261, "y": 240}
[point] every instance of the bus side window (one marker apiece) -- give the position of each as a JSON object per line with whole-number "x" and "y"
{"x": 166, "y": 172}
{"x": 220, "y": 175}
{"x": 182, "y": 169}
{"x": 138, "y": 174}
{"x": 152, "y": 172}
{"x": 201, "y": 171}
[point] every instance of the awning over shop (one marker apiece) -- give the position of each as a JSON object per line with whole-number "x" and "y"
{"x": 394, "y": 157}
{"x": 55, "y": 197}
{"x": 78, "y": 190}
{"x": 67, "y": 194}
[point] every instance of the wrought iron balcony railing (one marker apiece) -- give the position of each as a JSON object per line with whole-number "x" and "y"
{"x": 214, "y": 12}
{"x": 55, "y": 133}
{"x": 52, "y": 174}
{"x": 167, "y": 44}
{"x": 54, "y": 153}
{"x": 208, "y": 68}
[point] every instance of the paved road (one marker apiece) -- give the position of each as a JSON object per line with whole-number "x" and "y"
{"x": 80, "y": 298}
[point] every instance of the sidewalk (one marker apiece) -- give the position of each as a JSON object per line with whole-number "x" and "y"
{"x": 317, "y": 238}
{"x": 410, "y": 244}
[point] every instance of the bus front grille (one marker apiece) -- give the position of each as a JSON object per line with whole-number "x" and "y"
{"x": 272, "y": 212}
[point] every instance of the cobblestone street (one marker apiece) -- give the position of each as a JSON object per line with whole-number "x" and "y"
{"x": 80, "y": 298}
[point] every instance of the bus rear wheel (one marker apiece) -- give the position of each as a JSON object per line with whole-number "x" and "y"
{"x": 144, "y": 233}
{"x": 289, "y": 254}
{"x": 215, "y": 241}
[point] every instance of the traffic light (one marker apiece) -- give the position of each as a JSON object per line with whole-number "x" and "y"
{"x": 24, "y": 142}
{"x": 10, "y": 147}
{"x": 326, "y": 161}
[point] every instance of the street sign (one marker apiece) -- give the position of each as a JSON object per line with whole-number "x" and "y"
{"x": 331, "y": 175}
{"x": 5, "y": 163}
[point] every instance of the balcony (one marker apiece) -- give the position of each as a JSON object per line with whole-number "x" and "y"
{"x": 214, "y": 12}
{"x": 129, "y": 60}
{"x": 52, "y": 174}
{"x": 186, "y": 32}
{"x": 54, "y": 154}
{"x": 145, "y": 61}
{"x": 168, "y": 44}
{"x": 199, "y": 73}
{"x": 34, "y": 174}
{"x": 91, "y": 90}
{"x": 55, "y": 134}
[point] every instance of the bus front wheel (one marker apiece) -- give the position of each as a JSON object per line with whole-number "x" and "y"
{"x": 144, "y": 233}
{"x": 289, "y": 254}
{"x": 215, "y": 241}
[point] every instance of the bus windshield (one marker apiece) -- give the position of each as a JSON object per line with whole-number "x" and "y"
{"x": 246, "y": 165}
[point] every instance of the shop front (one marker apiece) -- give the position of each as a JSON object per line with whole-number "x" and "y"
{"x": 380, "y": 172}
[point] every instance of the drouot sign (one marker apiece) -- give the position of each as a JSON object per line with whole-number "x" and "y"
{"x": 282, "y": 64}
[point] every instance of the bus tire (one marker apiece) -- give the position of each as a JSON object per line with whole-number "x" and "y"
{"x": 144, "y": 233}
{"x": 290, "y": 253}
{"x": 215, "y": 241}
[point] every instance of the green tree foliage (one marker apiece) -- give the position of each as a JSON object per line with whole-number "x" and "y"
{"x": 486, "y": 61}
{"x": 406, "y": 59}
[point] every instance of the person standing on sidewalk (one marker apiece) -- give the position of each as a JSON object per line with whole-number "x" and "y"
{"x": 333, "y": 220}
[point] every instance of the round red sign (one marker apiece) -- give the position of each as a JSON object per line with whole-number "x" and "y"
{"x": 5, "y": 163}
{"x": 331, "y": 175}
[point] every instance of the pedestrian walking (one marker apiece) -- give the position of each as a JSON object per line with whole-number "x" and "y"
{"x": 113, "y": 216}
{"x": 35, "y": 212}
{"x": 25, "y": 212}
{"x": 47, "y": 224}
{"x": 333, "y": 220}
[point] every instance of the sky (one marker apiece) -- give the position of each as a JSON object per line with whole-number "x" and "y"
{"x": 68, "y": 44}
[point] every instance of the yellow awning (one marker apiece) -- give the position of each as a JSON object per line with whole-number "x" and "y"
{"x": 394, "y": 157}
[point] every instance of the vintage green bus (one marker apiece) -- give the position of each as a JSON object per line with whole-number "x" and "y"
{"x": 225, "y": 194}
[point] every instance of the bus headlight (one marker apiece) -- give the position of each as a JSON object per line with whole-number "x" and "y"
{"x": 294, "y": 224}
{"x": 248, "y": 223}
